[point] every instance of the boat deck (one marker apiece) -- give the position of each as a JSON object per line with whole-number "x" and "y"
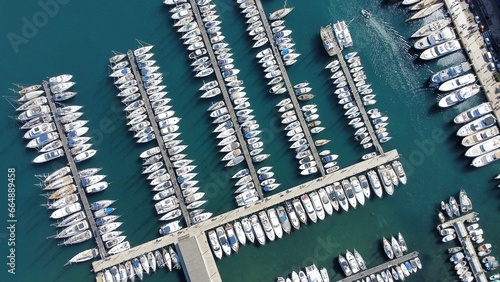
{"x": 289, "y": 87}
{"x": 227, "y": 100}
{"x": 159, "y": 139}
{"x": 358, "y": 99}
{"x": 380, "y": 267}
{"x": 473, "y": 43}
{"x": 200, "y": 228}
{"x": 74, "y": 172}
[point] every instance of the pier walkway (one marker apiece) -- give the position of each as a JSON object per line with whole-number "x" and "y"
{"x": 358, "y": 99}
{"x": 197, "y": 260}
{"x": 462, "y": 218}
{"x": 74, "y": 171}
{"x": 200, "y": 228}
{"x": 159, "y": 139}
{"x": 473, "y": 43}
{"x": 227, "y": 100}
{"x": 380, "y": 267}
{"x": 289, "y": 87}
{"x": 466, "y": 243}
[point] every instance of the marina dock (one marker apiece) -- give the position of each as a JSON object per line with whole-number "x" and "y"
{"x": 466, "y": 243}
{"x": 201, "y": 263}
{"x": 380, "y": 267}
{"x": 357, "y": 98}
{"x": 227, "y": 100}
{"x": 473, "y": 43}
{"x": 199, "y": 229}
{"x": 74, "y": 172}
{"x": 462, "y": 218}
{"x": 289, "y": 87}
{"x": 159, "y": 139}
{"x": 470, "y": 252}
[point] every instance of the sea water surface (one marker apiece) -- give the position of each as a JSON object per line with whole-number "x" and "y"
{"x": 54, "y": 37}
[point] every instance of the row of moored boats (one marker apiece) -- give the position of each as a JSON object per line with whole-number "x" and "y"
{"x": 479, "y": 130}
{"x": 63, "y": 197}
{"x": 167, "y": 203}
{"x": 315, "y": 205}
{"x": 311, "y": 274}
{"x": 228, "y": 127}
{"x": 422, "y": 8}
{"x": 136, "y": 267}
{"x": 349, "y": 104}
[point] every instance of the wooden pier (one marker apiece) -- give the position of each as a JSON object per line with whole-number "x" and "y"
{"x": 227, "y": 100}
{"x": 358, "y": 99}
{"x": 74, "y": 171}
{"x": 200, "y": 228}
{"x": 466, "y": 243}
{"x": 380, "y": 267}
{"x": 159, "y": 139}
{"x": 289, "y": 87}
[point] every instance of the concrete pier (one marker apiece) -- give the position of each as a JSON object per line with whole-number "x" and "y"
{"x": 74, "y": 172}
{"x": 197, "y": 260}
{"x": 452, "y": 221}
{"x": 473, "y": 43}
{"x": 357, "y": 98}
{"x": 380, "y": 267}
{"x": 227, "y": 99}
{"x": 228, "y": 217}
{"x": 159, "y": 139}
{"x": 290, "y": 89}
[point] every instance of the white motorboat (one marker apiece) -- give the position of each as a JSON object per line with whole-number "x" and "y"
{"x": 473, "y": 113}
{"x": 170, "y": 227}
{"x": 483, "y": 147}
{"x": 358, "y": 191}
{"x": 67, "y": 210}
{"x": 431, "y": 27}
{"x": 477, "y": 125}
{"x": 458, "y": 82}
{"x": 435, "y": 38}
{"x": 459, "y": 95}
{"x": 214, "y": 243}
{"x": 375, "y": 183}
{"x": 480, "y": 136}
{"x": 308, "y": 207}
{"x": 317, "y": 205}
{"x": 441, "y": 50}
{"x": 48, "y": 156}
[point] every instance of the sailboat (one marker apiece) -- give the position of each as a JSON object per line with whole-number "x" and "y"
{"x": 281, "y": 13}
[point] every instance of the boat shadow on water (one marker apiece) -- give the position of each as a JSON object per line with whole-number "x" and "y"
{"x": 387, "y": 3}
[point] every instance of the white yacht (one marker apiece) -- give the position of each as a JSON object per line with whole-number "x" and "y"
{"x": 435, "y": 38}
{"x": 458, "y": 82}
{"x": 459, "y": 95}
{"x": 473, "y": 113}
{"x": 441, "y": 50}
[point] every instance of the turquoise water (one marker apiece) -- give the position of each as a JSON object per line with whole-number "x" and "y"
{"x": 78, "y": 39}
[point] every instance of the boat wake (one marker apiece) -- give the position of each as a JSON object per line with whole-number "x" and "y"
{"x": 393, "y": 57}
